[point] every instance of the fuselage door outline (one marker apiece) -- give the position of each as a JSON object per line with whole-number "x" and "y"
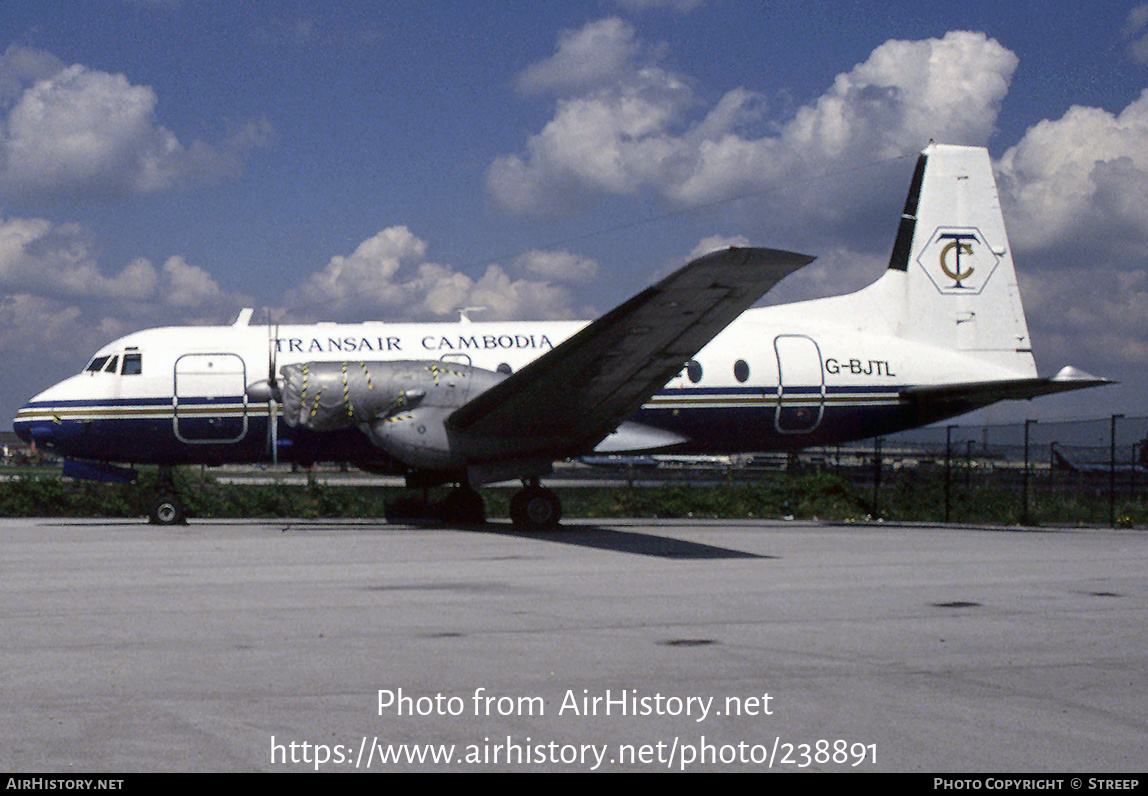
{"x": 800, "y": 384}
{"x": 209, "y": 400}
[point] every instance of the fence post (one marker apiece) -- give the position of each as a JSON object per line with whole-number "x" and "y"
{"x": 1132, "y": 474}
{"x": 1024, "y": 500}
{"x": 877, "y": 478}
{"x": 948, "y": 468}
{"x": 1112, "y": 471}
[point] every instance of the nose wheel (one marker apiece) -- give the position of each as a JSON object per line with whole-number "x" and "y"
{"x": 167, "y": 508}
{"x": 535, "y": 508}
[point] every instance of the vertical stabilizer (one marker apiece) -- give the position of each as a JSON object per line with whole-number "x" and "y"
{"x": 951, "y": 272}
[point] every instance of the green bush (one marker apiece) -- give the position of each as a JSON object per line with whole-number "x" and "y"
{"x": 918, "y": 497}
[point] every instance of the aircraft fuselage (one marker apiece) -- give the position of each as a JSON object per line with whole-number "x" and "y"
{"x": 762, "y": 384}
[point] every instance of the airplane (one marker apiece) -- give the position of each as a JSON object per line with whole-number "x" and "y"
{"x": 1070, "y": 463}
{"x": 686, "y": 366}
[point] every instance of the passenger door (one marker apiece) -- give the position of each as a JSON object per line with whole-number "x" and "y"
{"x": 800, "y": 384}
{"x": 210, "y": 401}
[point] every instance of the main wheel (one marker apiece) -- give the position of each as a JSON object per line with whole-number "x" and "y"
{"x": 535, "y": 508}
{"x": 167, "y": 510}
{"x": 464, "y": 505}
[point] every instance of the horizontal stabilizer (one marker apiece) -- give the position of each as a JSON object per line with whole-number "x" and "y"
{"x": 983, "y": 393}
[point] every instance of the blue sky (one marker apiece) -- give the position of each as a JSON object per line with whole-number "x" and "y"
{"x": 173, "y": 161}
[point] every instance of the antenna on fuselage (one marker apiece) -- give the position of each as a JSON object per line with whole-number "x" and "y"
{"x": 464, "y": 313}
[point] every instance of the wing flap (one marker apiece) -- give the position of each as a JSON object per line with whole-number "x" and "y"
{"x": 570, "y": 398}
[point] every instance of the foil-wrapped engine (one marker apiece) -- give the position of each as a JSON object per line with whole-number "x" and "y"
{"x": 401, "y": 405}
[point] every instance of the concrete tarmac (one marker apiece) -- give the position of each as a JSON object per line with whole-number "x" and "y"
{"x": 610, "y": 646}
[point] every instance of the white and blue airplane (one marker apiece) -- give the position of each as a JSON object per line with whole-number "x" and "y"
{"x": 684, "y": 366}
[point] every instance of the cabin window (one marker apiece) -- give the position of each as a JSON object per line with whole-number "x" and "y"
{"x": 694, "y": 370}
{"x": 113, "y": 365}
{"x": 133, "y": 364}
{"x": 96, "y": 365}
{"x": 741, "y": 371}
{"x": 505, "y": 368}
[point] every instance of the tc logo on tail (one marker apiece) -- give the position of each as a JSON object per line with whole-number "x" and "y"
{"x": 958, "y": 261}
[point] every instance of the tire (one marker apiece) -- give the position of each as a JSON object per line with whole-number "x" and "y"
{"x": 535, "y": 509}
{"x": 464, "y": 505}
{"x": 167, "y": 510}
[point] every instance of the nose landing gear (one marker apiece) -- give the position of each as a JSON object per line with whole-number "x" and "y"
{"x": 167, "y": 508}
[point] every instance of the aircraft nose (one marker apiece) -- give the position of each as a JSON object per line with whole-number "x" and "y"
{"x": 35, "y": 424}
{"x": 21, "y": 425}
{"x": 32, "y": 430}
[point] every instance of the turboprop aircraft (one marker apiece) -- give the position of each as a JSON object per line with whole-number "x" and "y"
{"x": 685, "y": 366}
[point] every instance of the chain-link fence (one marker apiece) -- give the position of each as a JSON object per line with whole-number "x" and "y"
{"x": 1083, "y": 471}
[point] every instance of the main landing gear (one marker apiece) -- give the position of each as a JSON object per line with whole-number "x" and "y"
{"x": 533, "y": 508}
{"x": 463, "y": 506}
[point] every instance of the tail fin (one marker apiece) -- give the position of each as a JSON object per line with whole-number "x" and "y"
{"x": 951, "y": 280}
{"x": 951, "y": 284}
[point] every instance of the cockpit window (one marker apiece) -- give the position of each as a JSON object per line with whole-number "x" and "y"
{"x": 133, "y": 364}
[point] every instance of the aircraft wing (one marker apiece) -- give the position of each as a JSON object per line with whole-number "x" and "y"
{"x": 986, "y": 392}
{"x": 572, "y": 397}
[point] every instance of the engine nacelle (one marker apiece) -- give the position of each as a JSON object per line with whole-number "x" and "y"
{"x": 419, "y": 438}
{"x": 401, "y": 405}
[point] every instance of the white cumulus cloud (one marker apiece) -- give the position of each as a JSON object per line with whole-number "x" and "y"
{"x": 647, "y": 128}
{"x": 1075, "y": 194}
{"x": 56, "y": 299}
{"x": 76, "y": 133}
{"x": 1081, "y": 180}
{"x": 389, "y": 276}
{"x": 601, "y": 52}
{"x": 58, "y": 261}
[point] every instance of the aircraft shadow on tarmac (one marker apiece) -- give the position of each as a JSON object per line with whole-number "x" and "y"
{"x": 599, "y": 537}
{"x": 596, "y": 536}
{"x": 603, "y": 538}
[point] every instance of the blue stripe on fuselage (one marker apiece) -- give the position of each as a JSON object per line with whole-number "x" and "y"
{"x": 731, "y": 419}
